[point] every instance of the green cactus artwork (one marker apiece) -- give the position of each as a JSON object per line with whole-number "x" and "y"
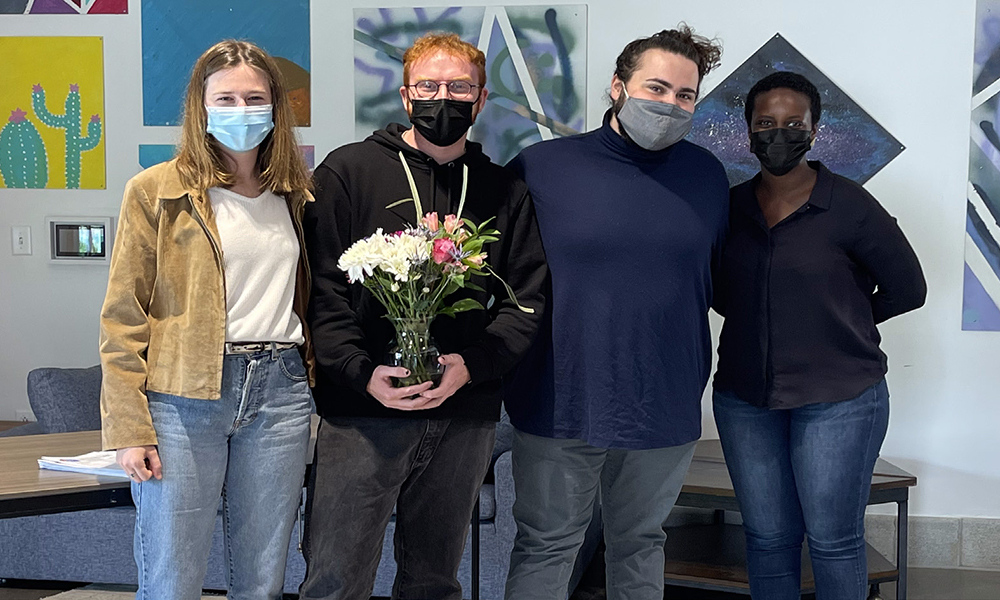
{"x": 70, "y": 122}
{"x": 23, "y": 162}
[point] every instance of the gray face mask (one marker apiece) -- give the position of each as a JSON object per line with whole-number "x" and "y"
{"x": 653, "y": 125}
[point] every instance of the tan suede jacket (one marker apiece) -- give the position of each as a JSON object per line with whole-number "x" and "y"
{"x": 163, "y": 323}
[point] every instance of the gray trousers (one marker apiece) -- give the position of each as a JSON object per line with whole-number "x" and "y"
{"x": 557, "y": 482}
{"x": 431, "y": 470}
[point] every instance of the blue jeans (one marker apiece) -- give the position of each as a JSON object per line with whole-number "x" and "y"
{"x": 804, "y": 471}
{"x": 249, "y": 448}
{"x": 557, "y": 482}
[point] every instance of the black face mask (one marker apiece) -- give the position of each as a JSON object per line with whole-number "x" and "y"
{"x": 442, "y": 122}
{"x": 779, "y": 150}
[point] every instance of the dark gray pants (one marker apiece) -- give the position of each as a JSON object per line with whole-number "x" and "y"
{"x": 431, "y": 470}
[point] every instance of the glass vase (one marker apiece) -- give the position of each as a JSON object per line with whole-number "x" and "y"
{"x": 414, "y": 349}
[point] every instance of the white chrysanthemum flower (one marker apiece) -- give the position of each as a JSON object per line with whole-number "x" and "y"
{"x": 356, "y": 261}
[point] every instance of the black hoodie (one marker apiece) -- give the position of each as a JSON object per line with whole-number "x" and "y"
{"x": 354, "y": 184}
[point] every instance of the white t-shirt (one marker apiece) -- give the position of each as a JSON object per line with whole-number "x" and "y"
{"x": 260, "y": 255}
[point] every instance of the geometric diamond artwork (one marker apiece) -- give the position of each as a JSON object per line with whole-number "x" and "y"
{"x": 981, "y": 295}
{"x": 536, "y": 68}
{"x": 66, "y": 7}
{"x": 849, "y": 141}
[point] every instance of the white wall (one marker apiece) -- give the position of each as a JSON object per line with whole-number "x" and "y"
{"x": 907, "y": 63}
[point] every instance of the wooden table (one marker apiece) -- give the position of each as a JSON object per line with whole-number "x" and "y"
{"x": 713, "y": 557}
{"x": 27, "y": 490}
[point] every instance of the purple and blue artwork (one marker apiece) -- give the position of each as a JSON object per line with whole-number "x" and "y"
{"x": 64, "y": 7}
{"x": 536, "y": 64}
{"x": 981, "y": 296}
{"x": 850, "y": 142}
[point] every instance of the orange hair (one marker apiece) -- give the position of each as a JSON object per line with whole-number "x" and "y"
{"x": 448, "y": 43}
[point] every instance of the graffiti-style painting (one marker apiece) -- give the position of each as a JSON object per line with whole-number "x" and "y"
{"x": 981, "y": 297}
{"x": 52, "y": 111}
{"x": 536, "y": 64}
{"x": 176, "y": 32}
{"x": 64, "y": 7}
{"x": 154, "y": 154}
{"x": 850, "y": 142}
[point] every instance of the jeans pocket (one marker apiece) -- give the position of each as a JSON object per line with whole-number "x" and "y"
{"x": 290, "y": 363}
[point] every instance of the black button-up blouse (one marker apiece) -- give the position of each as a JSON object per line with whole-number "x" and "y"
{"x": 801, "y": 300}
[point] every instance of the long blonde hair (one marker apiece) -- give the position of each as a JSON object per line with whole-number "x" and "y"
{"x": 201, "y": 162}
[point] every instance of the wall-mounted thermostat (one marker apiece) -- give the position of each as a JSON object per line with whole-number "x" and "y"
{"x": 79, "y": 239}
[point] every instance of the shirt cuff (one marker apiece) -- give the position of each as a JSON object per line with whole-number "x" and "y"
{"x": 358, "y": 372}
{"x": 479, "y": 363}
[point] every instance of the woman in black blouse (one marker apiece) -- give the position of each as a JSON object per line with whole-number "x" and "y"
{"x": 811, "y": 265}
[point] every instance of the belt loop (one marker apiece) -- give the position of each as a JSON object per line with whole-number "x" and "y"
{"x": 274, "y": 350}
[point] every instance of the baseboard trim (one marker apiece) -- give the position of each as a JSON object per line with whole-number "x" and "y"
{"x": 932, "y": 542}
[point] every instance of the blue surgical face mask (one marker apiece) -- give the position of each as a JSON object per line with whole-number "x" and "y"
{"x": 240, "y": 128}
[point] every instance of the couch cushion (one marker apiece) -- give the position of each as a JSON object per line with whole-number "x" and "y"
{"x": 66, "y": 399}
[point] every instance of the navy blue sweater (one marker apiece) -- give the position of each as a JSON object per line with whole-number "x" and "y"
{"x": 631, "y": 236}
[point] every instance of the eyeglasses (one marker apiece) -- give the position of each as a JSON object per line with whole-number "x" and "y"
{"x": 459, "y": 90}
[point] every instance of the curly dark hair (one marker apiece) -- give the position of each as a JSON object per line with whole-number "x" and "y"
{"x": 786, "y": 80}
{"x": 682, "y": 41}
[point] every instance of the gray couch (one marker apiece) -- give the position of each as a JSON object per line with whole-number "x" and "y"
{"x": 96, "y": 546}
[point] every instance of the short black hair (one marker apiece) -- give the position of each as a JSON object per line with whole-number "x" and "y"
{"x": 682, "y": 41}
{"x": 787, "y": 80}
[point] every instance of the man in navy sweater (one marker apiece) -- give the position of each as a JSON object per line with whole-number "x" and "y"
{"x": 608, "y": 404}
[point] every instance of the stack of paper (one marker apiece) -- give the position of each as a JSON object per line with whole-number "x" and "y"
{"x": 94, "y": 463}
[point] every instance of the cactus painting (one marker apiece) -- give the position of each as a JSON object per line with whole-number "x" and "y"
{"x": 69, "y": 121}
{"x": 23, "y": 163}
{"x": 52, "y": 93}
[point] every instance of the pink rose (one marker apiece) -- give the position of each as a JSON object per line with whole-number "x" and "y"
{"x": 430, "y": 221}
{"x": 452, "y": 224}
{"x": 444, "y": 251}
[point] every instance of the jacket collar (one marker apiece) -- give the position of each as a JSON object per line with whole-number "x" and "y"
{"x": 171, "y": 188}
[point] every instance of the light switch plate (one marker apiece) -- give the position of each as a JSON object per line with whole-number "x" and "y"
{"x": 20, "y": 239}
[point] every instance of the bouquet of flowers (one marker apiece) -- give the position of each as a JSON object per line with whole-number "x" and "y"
{"x": 412, "y": 273}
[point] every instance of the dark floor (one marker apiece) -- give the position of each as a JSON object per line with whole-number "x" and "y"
{"x": 925, "y": 584}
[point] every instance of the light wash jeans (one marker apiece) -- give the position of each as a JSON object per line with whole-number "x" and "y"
{"x": 249, "y": 448}
{"x": 804, "y": 471}
{"x": 557, "y": 482}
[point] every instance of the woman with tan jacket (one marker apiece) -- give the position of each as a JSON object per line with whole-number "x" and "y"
{"x": 203, "y": 337}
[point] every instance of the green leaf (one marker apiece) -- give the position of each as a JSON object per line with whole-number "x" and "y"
{"x": 399, "y": 202}
{"x": 466, "y": 304}
{"x": 472, "y": 286}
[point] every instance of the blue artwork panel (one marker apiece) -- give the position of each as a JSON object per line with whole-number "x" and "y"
{"x": 176, "y": 32}
{"x": 154, "y": 154}
{"x": 850, "y": 142}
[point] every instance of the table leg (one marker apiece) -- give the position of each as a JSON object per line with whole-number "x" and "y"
{"x": 901, "y": 537}
{"x": 475, "y": 550}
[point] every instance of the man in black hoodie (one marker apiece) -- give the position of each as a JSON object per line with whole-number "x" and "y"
{"x": 425, "y": 451}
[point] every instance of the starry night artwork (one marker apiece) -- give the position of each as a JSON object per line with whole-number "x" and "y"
{"x": 850, "y": 142}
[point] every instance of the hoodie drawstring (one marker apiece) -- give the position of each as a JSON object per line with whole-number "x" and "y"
{"x": 416, "y": 196}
